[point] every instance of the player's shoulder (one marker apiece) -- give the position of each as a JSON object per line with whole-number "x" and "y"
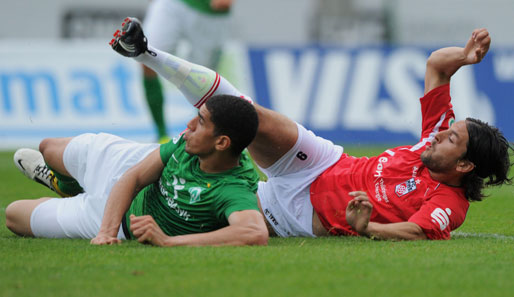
{"x": 449, "y": 195}
{"x": 243, "y": 176}
{"x": 404, "y": 153}
{"x": 174, "y": 142}
{"x": 174, "y": 149}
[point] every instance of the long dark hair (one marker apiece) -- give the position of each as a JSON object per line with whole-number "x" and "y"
{"x": 488, "y": 149}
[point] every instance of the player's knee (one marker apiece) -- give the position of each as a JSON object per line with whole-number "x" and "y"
{"x": 8, "y": 217}
{"x": 12, "y": 217}
{"x": 52, "y": 148}
{"x": 17, "y": 218}
{"x": 45, "y": 145}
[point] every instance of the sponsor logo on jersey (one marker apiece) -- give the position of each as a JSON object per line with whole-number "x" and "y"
{"x": 415, "y": 171}
{"x": 441, "y": 217}
{"x": 405, "y": 187}
{"x": 380, "y": 166}
{"x": 270, "y": 217}
{"x": 450, "y": 122}
{"x": 172, "y": 201}
{"x": 381, "y": 191}
{"x": 195, "y": 194}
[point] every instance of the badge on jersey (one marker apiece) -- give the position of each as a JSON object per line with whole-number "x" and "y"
{"x": 195, "y": 192}
{"x": 406, "y": 187}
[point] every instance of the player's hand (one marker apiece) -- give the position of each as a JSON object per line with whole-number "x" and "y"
{"x": 221, "y": 5}
{"x": 358, "y": 211}
{"x": 146, "y": 230}
{"x": 477, "y": 46}
{"x": 103, "y": 239}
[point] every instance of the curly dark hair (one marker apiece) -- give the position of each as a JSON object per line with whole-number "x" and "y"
{"x": 235, "y": 118}
{"x": 488, "y": 149}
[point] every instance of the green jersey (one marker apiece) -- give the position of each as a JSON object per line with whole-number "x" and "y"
{"x": 203, "y": 6}
{"x": 186, "y": 200}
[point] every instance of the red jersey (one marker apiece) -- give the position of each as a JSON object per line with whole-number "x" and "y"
{"x": 397, "y": 183}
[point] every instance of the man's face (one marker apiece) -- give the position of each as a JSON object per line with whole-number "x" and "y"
{"x": 447, "y": 148}
{"x": 200, "y": 139}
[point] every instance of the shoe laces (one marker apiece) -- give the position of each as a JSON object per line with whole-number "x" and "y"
{"x": 44, "y": 172}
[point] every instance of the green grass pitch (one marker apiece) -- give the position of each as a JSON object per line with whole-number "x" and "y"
{"x": 478, "y": 261}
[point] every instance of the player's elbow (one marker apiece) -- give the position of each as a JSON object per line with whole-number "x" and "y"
{"x": 263, "y": 237}
{"x": 418, "y": 236}
{"x": 133, "y": 178}
{"x": 257, "y": 235}
{"x": 434, "y": 66}
{"x": 434, "y": 57}
{"x": 416, "y": 233}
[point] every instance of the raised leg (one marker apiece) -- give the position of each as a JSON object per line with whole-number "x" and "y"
{"x": 276, "y": 134}
{"x": 53, "y": 151}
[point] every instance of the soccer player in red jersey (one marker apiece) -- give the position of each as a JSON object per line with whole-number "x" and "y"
{"x": 419, "y": 191}
{"x": 409, "y": 192}
{"x": 412, "y": 192}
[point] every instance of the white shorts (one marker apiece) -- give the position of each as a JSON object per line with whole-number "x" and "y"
{"x": 285, "y": 197}
{"x": 96, "y": 161}
{"x": 167, "y": 22}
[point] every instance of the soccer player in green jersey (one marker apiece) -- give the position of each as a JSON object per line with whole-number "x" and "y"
{"x": 198, "y": 189}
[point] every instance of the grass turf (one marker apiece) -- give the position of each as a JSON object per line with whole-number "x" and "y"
{"x": 477, "y": 262}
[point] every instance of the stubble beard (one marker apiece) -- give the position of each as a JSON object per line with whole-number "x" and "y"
{"x": 433, "y": 164}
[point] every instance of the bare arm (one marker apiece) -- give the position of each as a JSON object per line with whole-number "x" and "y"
{"x": 443, "y": 63}
{"x": 358, "y": 213}
{"x": 136, "y": 178}
{"x": 246, "y": 228}
{"x": 399, "y": 231}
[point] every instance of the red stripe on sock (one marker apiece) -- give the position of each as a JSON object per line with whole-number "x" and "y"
{"x": 213, "y": 89}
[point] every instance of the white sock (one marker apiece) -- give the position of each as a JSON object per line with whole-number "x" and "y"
{"x": 196, "y": 82}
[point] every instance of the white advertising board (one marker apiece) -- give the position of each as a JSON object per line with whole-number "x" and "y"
{"x": 64, "y": 89}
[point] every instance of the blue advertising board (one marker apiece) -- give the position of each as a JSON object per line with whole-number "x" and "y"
{"x": 64, "y": 89}
{"x": 370, "y": 94}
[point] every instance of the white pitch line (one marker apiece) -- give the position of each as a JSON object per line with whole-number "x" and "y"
{"x": 482, "y": 235}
